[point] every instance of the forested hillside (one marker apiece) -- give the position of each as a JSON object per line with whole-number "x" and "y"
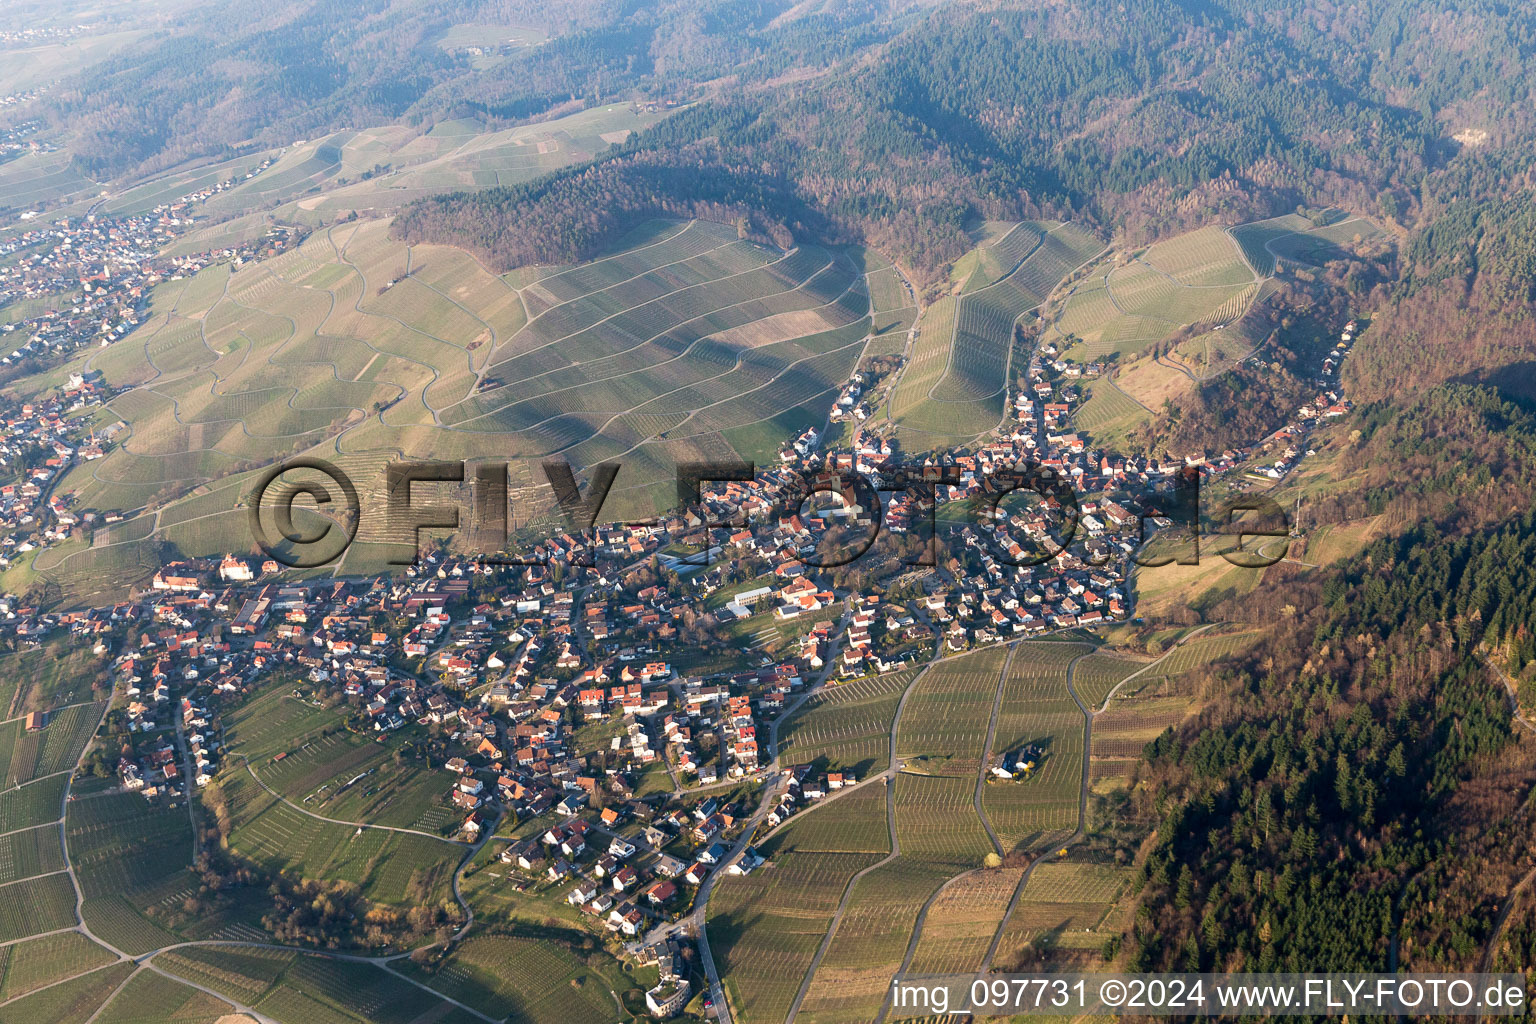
{"x": 232, "y": 76}
{"x": 1327, "y": 804}
{"x": 1145, "y": 117}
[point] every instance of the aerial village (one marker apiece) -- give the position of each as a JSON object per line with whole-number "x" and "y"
{"x": 620, "y": 695}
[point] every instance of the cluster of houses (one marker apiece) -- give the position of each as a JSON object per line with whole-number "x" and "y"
{"x": 1288, "y": 445}
{"x": 93, "y": 273}
{"x": 849, "y": 402}
{"x": 41, "y": 440}
{"x": 1018, "y": 763}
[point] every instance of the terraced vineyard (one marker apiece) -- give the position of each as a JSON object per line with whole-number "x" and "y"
{"x": 1203, "y": 283}
{"x": 963, "y": 920}
{"x": 848, "y": 725}
{"x": 332, "y": 772}
{"x": 765, "y": 928}
{"x": 149, "y": 998}
{"x": 299, "y": 988}
{"x": 524, "y": 979}
{"x": 132, "y": 858}
{"x": 389, "y": 866}
{"x": 956, "y": 382}
{"x": 687, "y": 345}
{"x": 1063, "y": 907}
{"x": 36, "y": 963}
{"x": 54, "y": 748}
{"x": 1097, "y": 674}
{"x": 1038, "y": 710}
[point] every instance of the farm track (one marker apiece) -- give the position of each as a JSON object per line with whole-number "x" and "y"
{"x": 1082, "y": 822}
{"x": 986, "y": 751}
{"x": 1082, "y": 812}
{"x": 145, "y": 961}
{"x": 736, "y": 365}
{"x": 889, "y": 778}
{"x": 643, "y": 342}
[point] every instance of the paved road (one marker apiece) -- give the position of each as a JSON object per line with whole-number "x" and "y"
{"x": 986, "y": 752}
{"x": 888, "y": 779}
{"x": 695, "y": 923}
{"x": 145, "y": 961}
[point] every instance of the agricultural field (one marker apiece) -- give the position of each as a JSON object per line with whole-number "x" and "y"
{"x": 963, "y": 920}
{"x": 43, "y": 678}
{"x": 36, "y": 178}
{"x": 151, "y": 998}
{"x": 765, "y": 927}
{"x": 1097, "y": 674}
{"x": 35, "y": 963}
{"x": 332, "y": 772}
{"x": 940, "y": 740}
{"x": 1269, "y": 245}
{"x": 944, "y": 726}
{"x": 389, "y": 866}
{"x": 853, "y": 822}
{"x": 133, "y": 859}
{"x": 36, "y": 803}
{"x": 1037, "y": 709}
{"x": 870, "y": 942}
{"x": 1203, "y": 284}
{"x": 524, "y": 979}
{"x": 1122, "y": 732}
{"x": 68, "y": 1002}
{"x": 300, "y": 988}
{"x": 1163, "y": 587}
{"x": 1062, "y": 908}
{"x": 956, "y": 382}
{"x": 1108, "y": 412}
{"x": 33, "y": 851}
{"x": 849, "y": 725}
{"x": 56, "y": 747}
{"x": 688, "y": 345}
{"x": 1152, "y": 703}
{"x": 36, "y": 905}
{"x": 812, "y": 859}
{"x": 1130, "y": 301}
{"x": 1203, "y": 650}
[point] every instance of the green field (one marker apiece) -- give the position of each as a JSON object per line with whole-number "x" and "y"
{"x": 1037, "y": 709}
{"x": 35, "y": 963}
{"x": 849, "y": 726}
{"x": 1097, "y": 674}
{"x": 963, "y": 920}
{"x": 133, "y": 859}
{"x": 768, "y": 925}
{"x": 526, "y": 980}
{"x": 1063, "y": 906}
{"x": 35, "y": 851}
{"x": 37, "y": 905}
{"x": 301, "y": 988}
{"x": 383, "y": 863}
{"x": 332, "y": 772}
{"x": 33, "y": 804}
{"x": 151, "y": 998}
{"x": 955, "y": 384}
{"x": 855, "y": 977}
{"x": 765, "y": 928}
{"x": 52, "y": 749}
{"x": 40, "y": 678}
{"x": 68, "y": 1002}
